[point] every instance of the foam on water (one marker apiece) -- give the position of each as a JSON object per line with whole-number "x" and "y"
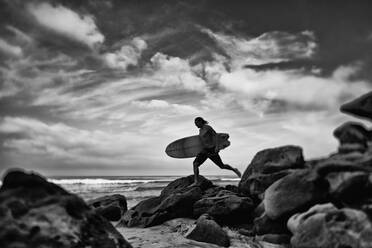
{"x": 96, "y": 181}
{"x": 135, "y": 189}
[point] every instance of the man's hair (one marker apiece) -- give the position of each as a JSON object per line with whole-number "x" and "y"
{"x": 201, "y": 120}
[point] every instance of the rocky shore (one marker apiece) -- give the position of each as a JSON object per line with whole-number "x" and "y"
{"x": 282, "y": 200}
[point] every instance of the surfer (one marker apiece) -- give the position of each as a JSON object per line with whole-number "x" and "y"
{"x": 209, "y": 140}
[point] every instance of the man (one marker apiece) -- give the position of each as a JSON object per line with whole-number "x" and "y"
{"x": 209, "y": 140}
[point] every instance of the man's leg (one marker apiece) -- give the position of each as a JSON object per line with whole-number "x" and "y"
{"x": 218, "y": 161}
{"x": 199, "y": 160}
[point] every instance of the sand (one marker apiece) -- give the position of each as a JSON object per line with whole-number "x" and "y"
{"x": 171, "y": 234}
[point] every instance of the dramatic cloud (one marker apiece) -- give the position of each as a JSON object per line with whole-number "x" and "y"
{"x": 9, "y": 49}
{"x": 166, "y": 106}
{"x": 61, "y": 141}
{"x": 66, "y": 22}
{"x": 295, "y": 87}
{"x": 174, "y": 71}
{"x": 270, "y": 47}
{"x": 20, "y": 35}
{"x": 115, "y": 107}
{"x": 127, "y": 55}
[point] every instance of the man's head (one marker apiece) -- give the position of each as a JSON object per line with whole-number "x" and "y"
{"x": 199, "y": 122}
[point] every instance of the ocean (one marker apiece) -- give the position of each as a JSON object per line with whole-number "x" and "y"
{"x": 134, "y": 188}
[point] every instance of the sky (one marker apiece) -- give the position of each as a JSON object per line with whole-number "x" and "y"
{"x": 101, "y": 87}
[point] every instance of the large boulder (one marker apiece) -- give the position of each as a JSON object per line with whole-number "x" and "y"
{"x": 112, "y": 207}
{"x": 360, "y": 107}
{"x": 353, "y": 136}
{"x": 328, "y": 227}
{"x": 268, "y": 166}
{"x": 184, "y": 182}
{"x": 354, "y": 190}
{"x": 296, "y": 220}
{"x": 175, "y": 201}
{"x": 294, "y": 192}
{"x": 226, "y": 207}
{"x": 265, "y": 225}
{"x": 37, "y": 213}
{"x": 207, "y": 230}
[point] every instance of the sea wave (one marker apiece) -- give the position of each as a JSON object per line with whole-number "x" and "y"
{"x": 98, "y": 181}
{"x": 230, "y": 179}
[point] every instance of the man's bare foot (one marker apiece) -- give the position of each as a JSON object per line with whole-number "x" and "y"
{"x": 237, "y": 172}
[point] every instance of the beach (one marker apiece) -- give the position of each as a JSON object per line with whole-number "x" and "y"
{"x": 171, "y": 234}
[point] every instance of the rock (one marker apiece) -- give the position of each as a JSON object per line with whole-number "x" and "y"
{"x": 353, "y": 136}
{"x": 336, "y": 179}
{"x": 354, "y": 190}
{"x": 112, "y": 207}
{"x": 184, "y": 182}
{"x": 37, "y": 213}
{"x": 268, "y": 166}
{"x": 298, "y": 219}
{"x": 225, "y": 208}
{"x": 265, "y": 225}
{"x": 207, "y": 230}
{"x": 329, "y": 227}
{"x": 294, "y": 192}
{"x": 175, "y": 201}
{"x": 360, "y": 107}
{"x": 258, "y": 183}
{"x": 259, "y": 210}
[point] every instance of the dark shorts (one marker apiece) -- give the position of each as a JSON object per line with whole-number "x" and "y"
{"x": 211, "y": 154}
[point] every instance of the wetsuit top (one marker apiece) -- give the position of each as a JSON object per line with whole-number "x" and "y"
{"x": 207, "y": 136}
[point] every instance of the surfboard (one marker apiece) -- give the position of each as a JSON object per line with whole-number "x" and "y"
{"x": 189, "y": 147}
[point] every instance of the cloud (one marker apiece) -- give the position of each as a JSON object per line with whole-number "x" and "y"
{"x": 173, "y": 71}
{"x": 270, "y": 47}
{"x": 64, "y": 21}
{"x": 295, "y": 87}
{"x": 60, "y": 141}
{"x": 166, "y": 106}
{"x": 127, "y": 55}
{"x": 9, "y": 49}
{"x": 20, "y": 35}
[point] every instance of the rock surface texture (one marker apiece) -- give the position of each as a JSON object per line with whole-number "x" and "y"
{"x": 360, "y": 107}
{"x": 112, "y": 207}
{"x": 225, "y": 208}
{"x": 353, "y": 136}
{"x": 268, "y": 166}
{"x": 207, "y": 230}
{"x": 37, "y": 213}
{"x": 176, "y": 200}
{"x": 294, "y": 192}
{"x": 327, "y": 226}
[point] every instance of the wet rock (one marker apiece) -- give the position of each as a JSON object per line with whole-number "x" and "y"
{"x": 294, "y": 193}
{"x": 325, "y": 226}
{"x": 207, "y": 230}
{"x": 352, "y": 136}
{"x": 360, "y": 107}
{"x": 112, "y": 207}
{"x": 268, "y": 166}
{"x": 175, "y": 201}
{"x": 37, "y": 213}
{"x": 226, "y": 208}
